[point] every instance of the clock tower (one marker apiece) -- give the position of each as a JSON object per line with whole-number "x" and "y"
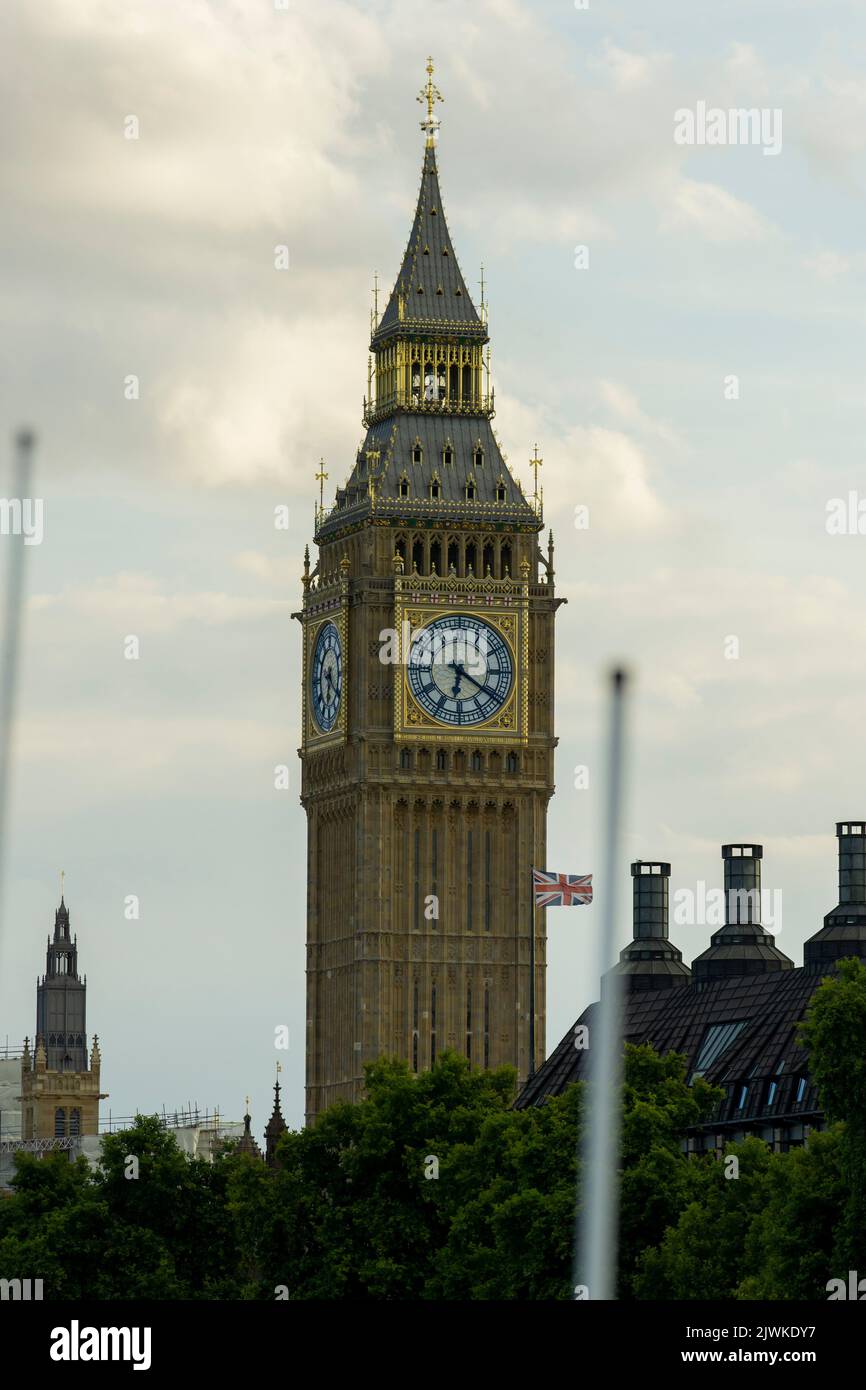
{"x": 428, "y": 744}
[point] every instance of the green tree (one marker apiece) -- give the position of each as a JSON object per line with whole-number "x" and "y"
{"x": 833, "y": 1032}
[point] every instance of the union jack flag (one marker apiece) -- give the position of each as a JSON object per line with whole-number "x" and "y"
{"x": 561, "y": 890}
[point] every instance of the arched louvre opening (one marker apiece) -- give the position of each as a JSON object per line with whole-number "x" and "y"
{"x": 436, "y": 556}
{"x": 467, "y": 383}
{"x": 59, "y": 1123}
{"x": 453, "y": 555}
{"x": 471, "y": 558}
{"x": 418, "y": 555}
{"x": 505, "y": 561}
{"x": 488, "y": 557}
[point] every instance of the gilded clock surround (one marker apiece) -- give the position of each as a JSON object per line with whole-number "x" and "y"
{"x": 507, "y": 725}
{"x": 404, "y": 812}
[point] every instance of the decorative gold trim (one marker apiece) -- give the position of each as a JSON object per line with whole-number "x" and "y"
{"x": 509, "y": 724}
{"x": 314, "y": 737}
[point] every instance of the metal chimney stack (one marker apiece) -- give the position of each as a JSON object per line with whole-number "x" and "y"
{"x": 650, "y": 961}
{"x": 844, "y": 931}
{"x": 742, "y": 869}
{"x": 741, "y": 946}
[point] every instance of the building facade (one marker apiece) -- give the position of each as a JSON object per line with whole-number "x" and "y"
{"x": 428, "y": 734}
{"x": 734, "y": 1014}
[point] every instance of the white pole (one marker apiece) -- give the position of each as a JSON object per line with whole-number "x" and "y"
{"x": 595, "y": 1264}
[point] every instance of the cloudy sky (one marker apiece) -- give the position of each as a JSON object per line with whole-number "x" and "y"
{"x": 153, "y": 258}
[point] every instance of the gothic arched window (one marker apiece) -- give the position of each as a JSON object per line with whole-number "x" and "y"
{"x": 405, "y": 758}
{"x": 478, "y": 456}
{"x": 476, "y": 761}
{"x": 511, "y": 762}
{"x": 59, "y": 1123}
{"x": 441, "y": 760}
{"x": 75, "y": 1122}
{"x": 404, "y": 486}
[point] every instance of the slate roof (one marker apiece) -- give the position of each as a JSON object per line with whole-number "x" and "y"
{"x": 430, "y": 278}
{"x": 395, "y": 438}
{"x": 764, "y": 1050}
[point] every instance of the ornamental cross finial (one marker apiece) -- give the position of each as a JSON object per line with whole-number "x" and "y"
{"x": 62, "y": 878}
{"x": 321, "y": 475}
{"x": 430, "y": 94}
{"x": 535, "y": 463}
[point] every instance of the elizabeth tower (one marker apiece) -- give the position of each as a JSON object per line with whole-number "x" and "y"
{"x": 427, "y": 757}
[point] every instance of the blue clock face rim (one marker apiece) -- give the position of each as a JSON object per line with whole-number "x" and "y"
{"x": 460, "y": 670}
{"x": 326, "y": 677}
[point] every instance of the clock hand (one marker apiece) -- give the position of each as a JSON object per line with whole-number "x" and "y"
{"x": 485, "y": 689}
{"x": 459, "y": 673}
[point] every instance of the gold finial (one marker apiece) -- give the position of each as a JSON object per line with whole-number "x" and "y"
{"x": 248, "y": 1103}
{"x": 535, "y": 463}
{"x": 321, "y": 475}
{"x": 279, "y": 1067}
{"x": 430, "y": 94}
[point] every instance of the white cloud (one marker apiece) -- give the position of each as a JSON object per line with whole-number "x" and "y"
{"x": 713, "y": 213}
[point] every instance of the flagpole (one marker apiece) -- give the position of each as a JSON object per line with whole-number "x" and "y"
{"x": 531, "y": 1072}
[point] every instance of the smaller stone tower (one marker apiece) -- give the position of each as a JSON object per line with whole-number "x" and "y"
{"x": 60, "y": 1092}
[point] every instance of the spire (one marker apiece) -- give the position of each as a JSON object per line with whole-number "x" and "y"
{"x": 247, "y": 1144}
{"x": 430, "y": 289}
{"x": 275, "y": 1127}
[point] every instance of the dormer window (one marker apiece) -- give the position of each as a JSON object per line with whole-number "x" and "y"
{"x": 500, "y": 491}
{"x": 478, "y": 456}
{"x": 447, "y": 455}
{"x": 417, "y": 453}
{"x": 404, "y": 486}
{"x": 470, "y": 491}
{"x": 435, "y": 486}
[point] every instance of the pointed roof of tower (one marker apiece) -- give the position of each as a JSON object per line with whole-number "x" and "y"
{"x": 246, "y": 1143}
{"x": 430, "y": 290}
{"x": 276, "y": 1124}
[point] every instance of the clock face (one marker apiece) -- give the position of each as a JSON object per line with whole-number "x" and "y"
{"x": 326, "y": 677}
{"x": 460, "y": 670}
